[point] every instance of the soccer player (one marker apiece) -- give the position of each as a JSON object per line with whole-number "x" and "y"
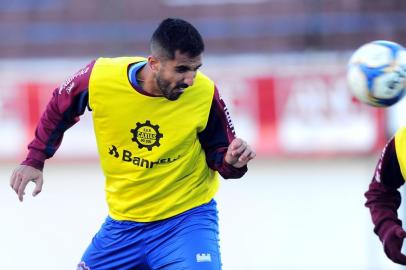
{"x": 163, "y": 132}
{"x": 383, "y": 197}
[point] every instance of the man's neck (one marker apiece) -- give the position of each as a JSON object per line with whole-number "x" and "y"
{"x": 146, "y": 78}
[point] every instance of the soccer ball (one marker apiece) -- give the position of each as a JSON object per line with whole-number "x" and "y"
{"x": 376, "y": 73}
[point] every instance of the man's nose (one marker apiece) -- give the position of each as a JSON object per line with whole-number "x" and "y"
{"x": 190, "y": 78}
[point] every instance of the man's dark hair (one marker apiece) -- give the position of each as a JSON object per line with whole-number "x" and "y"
{"x": 175, "y": 34}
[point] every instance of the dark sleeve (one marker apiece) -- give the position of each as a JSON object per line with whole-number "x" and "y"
{"x": 68, "y": 102}
{"x": 383, "y": 197}
{"x": 216, "y": 138}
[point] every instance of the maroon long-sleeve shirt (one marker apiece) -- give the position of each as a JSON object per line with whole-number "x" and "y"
{"x": 383, "y": 197}
{"x": 70, "y": 100}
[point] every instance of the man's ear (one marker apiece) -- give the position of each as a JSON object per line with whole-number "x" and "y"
{"x": 154, "y": 63}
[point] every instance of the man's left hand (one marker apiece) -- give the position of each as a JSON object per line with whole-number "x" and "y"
{"x": 239, "y": 153}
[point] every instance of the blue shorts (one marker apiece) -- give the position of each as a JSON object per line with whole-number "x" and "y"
{"x": 186, "y": 241}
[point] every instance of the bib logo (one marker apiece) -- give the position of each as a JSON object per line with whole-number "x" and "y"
{"x": 127, "y": 156}
{"x": 146, "y": 135}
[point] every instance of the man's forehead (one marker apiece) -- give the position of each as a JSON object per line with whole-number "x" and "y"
{"x": 185, "y": 59}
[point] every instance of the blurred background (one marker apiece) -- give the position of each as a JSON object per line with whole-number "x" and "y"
{"x": 279, "y": 64}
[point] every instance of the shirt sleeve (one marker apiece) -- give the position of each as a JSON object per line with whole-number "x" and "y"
{"x": 383, "y": 197}
{"x": 216, "y": 138}
{"x": 68, "y": 102}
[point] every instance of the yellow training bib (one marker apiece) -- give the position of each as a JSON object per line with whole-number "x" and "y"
{"x": 149, "y": 149}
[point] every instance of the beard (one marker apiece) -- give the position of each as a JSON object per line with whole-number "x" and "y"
{"x": 166, "y": 89}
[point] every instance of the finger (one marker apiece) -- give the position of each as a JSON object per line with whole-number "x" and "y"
{"x": 12, "y": 178}
{"x": 236, "y": 143}
{"x": 22, "y": 187}
{"x": 244, "y": 156}
{"x": 248, "y": 153}
{"x": 238, "y": 151}
{"x": 17, "y": 182}
{"x": 229, "y": 157}
{"x": 38, "y": 186}
{"x": 252, "y": 155}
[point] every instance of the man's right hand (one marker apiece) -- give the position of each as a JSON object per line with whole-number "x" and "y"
{"x": 392, "y": 243}
{"x": 21, "y": 176}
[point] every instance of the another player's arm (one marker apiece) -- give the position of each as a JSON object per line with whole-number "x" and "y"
{"x": 383, "y": 200}
{"x": 68, "y": 102}
{"x": 224, "y": 152}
